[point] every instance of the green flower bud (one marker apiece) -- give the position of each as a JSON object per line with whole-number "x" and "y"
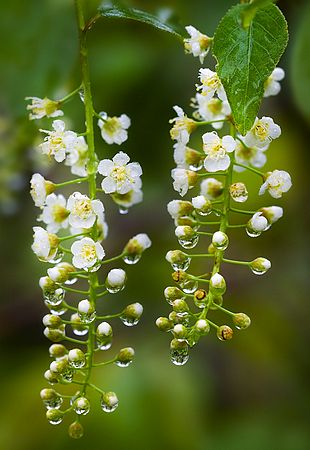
{"x": 51, "y": 399}
{"x": 202, "y": 205}
{"x": 164, "y": 324}
{"x": 51, "y": 321}
{"x": 202, "y": 326}
{"x": 132, "y": 314}
{"x": 135, "y": 247}
{"x": 220, "y": 240}
{"x": 185, "y": 221}
{"x": 217, "y": 284}
{"x": 180, "y": 307}
{"x": 57, "y": 351}
{"x": 179, "y": 208}
{"x": 54, "y": 416}
{"x": 81, "y": 406}
{"x": 76, "y": 430}
{"x": 78, "y": 327}
{"x": 59, "y": 366}
{"x": 179, "y": 331}
{"x": 260, "y": 265}
{"x": 51, "y": 377}
{"x": 178, "y": 259}
{"x": 125, "y": 357}
{"x": 55, "y": 335}
{"x": 76, "y": 358}
{"x": 109, "y": 402}
{"x": 241, "y": 321}
{"x": 172, "y": 293}
{"x": 104, "y": 335}
{"x": 61, "y": 272}
{"x": 224, "y": 333}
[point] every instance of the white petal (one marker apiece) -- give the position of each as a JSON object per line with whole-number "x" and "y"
{"x": 121, "y": 159}
{"x": 105, "y": 167}
{"x": 108, "y": 185}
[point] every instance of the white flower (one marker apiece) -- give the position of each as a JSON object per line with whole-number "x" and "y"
{"x": 198, "y": 44}
{"x": 116, "y": 277}
{"x": 258, "y": 223}
{"x": 179, "y": 208}
{"x": 77, "y": 158}
{"x": 102, "y": 226}
{"x": 44, "y": 244}
{"x": 120, "y": 176}
{"x": 86, "y": 253}
{"x": 41, "y": 107}
{"x": 216, "y": 149}
{"x": 58, "y": 142}
{"x": 183, "y": 180}
{"x": 211, "y": 188}
{"x": 182, "y": 128}
{"x": 114, "y": 129}
{"x": 262, "y": 133}
{"x": 55, "y": 213}
{"x": 210, "y": 109}
{"x": 40, "y": 188}
{"x": 272, "y": 213}
{"x": 186, "y": 157}
{"x": 83, "y": 211}
{"x": 211, "y": 84}
{"x": 249, "y": 156}
{"x": 272, "y": 85}
{"x": 277, "y": 182}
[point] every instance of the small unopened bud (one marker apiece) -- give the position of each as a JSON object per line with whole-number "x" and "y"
{"x": 260, "y": 265}
{"x": 257, "y": 224}
{"x": 224, "y": 333}
{"x": 76, "y": 358}
{"x": 238, "y": 192}
{"x": 211, "y": 249}
{"x": 172, "y": 293}
{"x": 125, "y": 357}
{"x": 51, "y": 377}
{"x": 76, "y": 430}
{"x": 109, "y": 402}
{"x": 202, "y": 205}
{"x": 132, "y": 314}
{"x": 81, "y": 406}
{"x": 104, "y": 334}
{"x": 180, "y": 306}
{"x": 200, "y": 298}
{"x": 86, "y": 311}
{"x": 51, "y": 321}
{"x": 217, "y": 284}
{"x": 202, "y": 326}
{"x": 211, "y": 188}
{"x": 61, "y": 272}
{"x": 220, "y": 240}
{"x": 185, "y": 221}
{"x": 178, "y": 259}
{"x": 179, "y": 331}
{"x": 241, "y": 321}
{"x": 57, "y": 351}
{"x": 180, "y": 276}
{"x": 59, "y": 366}
{"x": 55, "y": 335}
{"x": 164, "y": 324}
{"x": 54, "y": 416}
{"x": 272, "y": 213}
{"x": 185, "y": 232}
{"x": 135, "y": 247}
{"x": 115, "y": 280}
{"x": 179, "y": 208}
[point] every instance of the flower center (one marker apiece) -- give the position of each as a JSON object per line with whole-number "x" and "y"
{"x": 261, "y": 131}
{"x": 215, "y": 106}
{"x": 119, "y": 174}
{"x": 88, "y": 252}
{"x": 216, "y": 151}
{"x": 111, "y": 125}
{"x": 82, "y": 208}
{"x": 59, "y": 213}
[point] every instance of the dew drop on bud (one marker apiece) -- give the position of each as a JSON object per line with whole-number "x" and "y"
{"x": 189, "y": 243}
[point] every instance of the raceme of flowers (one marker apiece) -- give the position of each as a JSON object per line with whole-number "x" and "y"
{"x": 211, "y": 170}
{"x": 70, "y": 238}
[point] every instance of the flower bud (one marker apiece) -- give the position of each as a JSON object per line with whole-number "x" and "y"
{"x": 202, "y": 326}
{"x": 224, "y": 333}
{"x": 178, "y": 259}
{"x": 238, "y": 192}
{"x": 172, "y": 293}
{"x": 217, "y": 284}
{"x": 260, "y": 265}
{"x": 185, "y": 221}
{"x": 193, "y": 159}
{"x": 132, "y": 314}
{"x": 104, "y": 334}
{"x": 211, "y": 188}
{"x": 76, "y": 358}
{"x": 57, "y": 351}
{"x": 256, "y": 225}
{"x": 51, "y": 321}
{"x": 52, "y": 294}
{"x": 174, "y": 317}
{"x": 202, "y": 205}
{"x": 115, "y": 281}
{"x": 61, "y": 272}
{"x": 78, "y": 327}
{"x": 86, "y": 311}
{"x": 180, "y": 276}
{"x": 180, "y": 307}
{"x": 200, "y": 298}
{"x": 51, "y": 377}
{"x": 55, "y": 335}
{"x": 241, "y": 321}
{"x": 81, "y": 406}
{"x": 180, "y": 331}
{"x": 59, "y": 366}
{"x": 125, "y": 357}
{"x": 187, "y": 237}
{"x": 109, "y": 402}
{"x": 54, "y": 416}
{"x": 220, "y": 240}
{"x": 76, "y": 430}
{"x": 135, "y": 247}
{"x": 51, "y": 399}
{"x": 179, "y": 208}
{"x": 164, "y": 324}
{"x": 272, "y": 213}
{"x": 57, "y": 310}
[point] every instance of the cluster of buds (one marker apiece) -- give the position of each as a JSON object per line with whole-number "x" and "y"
{"x": 81, "y": 269}
{"x": 210, "y": 213}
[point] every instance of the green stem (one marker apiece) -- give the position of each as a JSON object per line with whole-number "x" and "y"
{"x": 243, "y": 211}
{"x": 66, "y": 238}
{"x": 199, "y": 124}
{"x": 115, "y": 258}
{"x": 76, "y": 291}
{"x": 234, "y": 261}
{"x": 75, "y": 181}
{"x": 69, "y": 96}
{"x": 251, "y": 169}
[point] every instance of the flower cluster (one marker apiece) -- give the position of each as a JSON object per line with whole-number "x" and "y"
{"x": 210, "y": 212}
{"x": 80, "y": 221}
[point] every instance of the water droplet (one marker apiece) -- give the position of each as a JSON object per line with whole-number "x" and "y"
{"x": 67, "y": 375}
{"x": 109, "y": 402}
{"x": 131, "y": 259}
{"x": 94, "y": 268}
{"x": 79, "y": 331}
{"x": 54, "y": 297}
{"x": 257, "y": 271}
{"x": 183, "y": 265}
{"x": 123, "y": 210}
{"x": 129, "y": 321}
{"x": 104, "y": 344}
{"x": 71, "y": 281}
{"x": 86, "y": 317}
{"x": 114, "y": 289}
{"x": 252, "y": 233}
{"x": 179, "y": 357}
{"x": 81, "y": 406}
{"x": 189, "y": 286}
{"x": 123, "y": 363}
{"x": 189, "y": 243}
{"x": 54, "y": 403}
{"x": 81, "y": 95}
{"x": 57, "y": 258}
{"x": 196, "y": 167}
{"x": 58, "y": 310}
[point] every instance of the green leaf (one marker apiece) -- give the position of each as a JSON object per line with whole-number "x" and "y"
{"x": 300, "y": 63}
{"x": 119, "y": 11}
{"x": 247, "y": 57}
{"x": 251, "y": 9}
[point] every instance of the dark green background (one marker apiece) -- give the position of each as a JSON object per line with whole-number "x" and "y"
{"x": 247, "y": 394}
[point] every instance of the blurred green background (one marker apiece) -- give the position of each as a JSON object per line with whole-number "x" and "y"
{"x": 246, "y": 394}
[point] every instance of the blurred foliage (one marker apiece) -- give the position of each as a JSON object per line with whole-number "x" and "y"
{"x": 250, "y": 393}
